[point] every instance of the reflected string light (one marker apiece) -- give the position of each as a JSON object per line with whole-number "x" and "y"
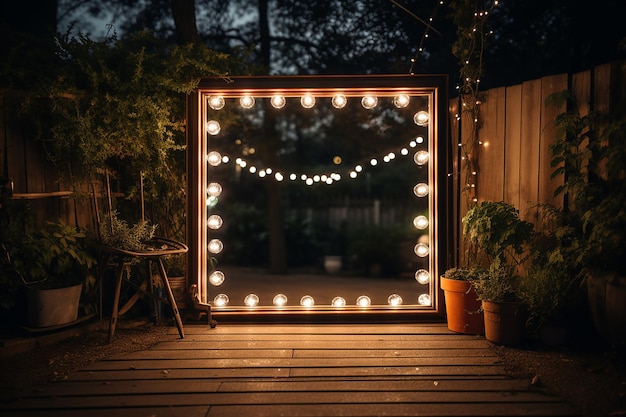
{"x": 424, "y": 300}
{"x": 421, "y": 157}
{"x": 401, "y": 101}
{"x": 422, "y": 276}
{"x": 217, "y": 278}
{"x": 251, "y": 300}
{"x": 216, "y": 102}
{"x": 420, "y": 222}
{"x": 214, "y": 189}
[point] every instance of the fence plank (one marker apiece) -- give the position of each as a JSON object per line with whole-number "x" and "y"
{"x": 491, "y": 153}
{"x": 529, "y": 146}
{"x": 512, "y": 147}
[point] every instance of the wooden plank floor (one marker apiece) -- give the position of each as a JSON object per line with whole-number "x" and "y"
{"x": 297, "y": 370}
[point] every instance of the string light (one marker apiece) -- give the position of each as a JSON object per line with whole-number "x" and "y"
{"x": 247, "y": 102}
{"x": 251, "y": 300}
{"x": 217, "y": 278}
{"x": 216, "y": 102}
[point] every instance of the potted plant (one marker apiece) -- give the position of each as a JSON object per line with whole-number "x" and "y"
{"x": 53, "y": 264}
{"x": 501, "y": 238}
{"x": 463, "y": 308}
{"x": 589, "y": 153}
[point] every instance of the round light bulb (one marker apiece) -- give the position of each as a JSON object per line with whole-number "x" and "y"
{"x": 278, "y": 102}
{"x": 421, "y": 250}
{"x": 422, "y": 276}
{"x": 307, "y": 101}
{"x": 421, "y": 157}
{"x": 394, "y": 300}
{"x": 369, "y": 102}
{"x": 401, "y": 101}
{"x": 423, "y": 300}
{"x": 213, "y": 127}
{"x": 251, "y": 300}
{"x": 363, "y": 301}
{"x": 338, "y": 302}
{"x": 421, "y": 118}
{"x": 214, "y": 158}
{"x": 279, "y": 300}
{"x": 214, "y": 189}
{"x": 339, "y": 101}
{"x": 217, "y": 278}
{"x": 214, "y": 221}
{"x": 307, "y": 301}
{"x": 220, "y": 300}
{"x": 215, "y": 246}
{"x": 421, "y": 189}
{"x": 247, "y": 102}
{"x": 216, "y": 102}
{"x": 420, "y": 222}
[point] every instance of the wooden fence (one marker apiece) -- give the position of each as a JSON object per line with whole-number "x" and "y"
{"x": 513, "y": 162}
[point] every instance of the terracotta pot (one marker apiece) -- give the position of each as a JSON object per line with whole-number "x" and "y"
{"x": 462, "y": 307}
{"x": 505, "y": 323}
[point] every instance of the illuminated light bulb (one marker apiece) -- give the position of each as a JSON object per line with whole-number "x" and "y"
{"x": 213, "y": 127}
{"x": 404, "y": 151}
{"x": 215, "y": 246}
{"x": 252, "y": 170}
{"x": 217, "y": 278}
{"x": 394, "y": 300}
{"x": 307, "y": 301}
{"x": 424, "y": 300}
{"x": 373, "y": 162}
{"x": 419, "y": 139}
{"x": 339, "y": 101}
{"x": 214, "y": 189}
{"x": 358, "y": 168}
{"x": 363, "y": 301}
{"x": 337, "y": 160}
{"x": 262, "y": 174}
{"x": 243, "y": 163}
{"x": 324, "y": 177}
{"x": 307, "y": 101}
{"x": 412, "y": 144}
{"x": 369, "y": 102}
{"x": 279, "y": 300}
{"x": 279, "y": 177}
{"x": 220, "y": 300}
{"x": 421, "y": 250}
{"x": 421, "y": 157}
{"x": 422, "y": 276}
{"x": 401, "y": 101}
{"x": 335, "y": 176}
{"x": 386, "y": 158}
{"x": 247, "y": 102}
{"x": 293, "y": 177}
{"x": 421, "y": 118}
{"x": 214, "y": 222}
{"x": 338, "y": 302}
{"x": 309, "y": 181}
{"x": 303, "y": 177}
{"x": 251, "y": 300}
{"x": 391, "y": 155}
{"x": 216, "y": 102}
{"x": 353, "y": 174}
{"x": 421, "y": 190}
{"x": 316, "y": 178}
{"x": 225, "y": 159}
{"x": 329, "y": 181}
{"x": 278, "y": 102}
{"x": 214, "y": 158}
{"x": 268, "y": 171}
{"x": 420, "y": 222}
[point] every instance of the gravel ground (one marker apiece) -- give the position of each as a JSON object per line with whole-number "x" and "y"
{"x": 592, "y": 379}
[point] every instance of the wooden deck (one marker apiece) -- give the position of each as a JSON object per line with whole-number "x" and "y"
{"x": 297, "y": 370}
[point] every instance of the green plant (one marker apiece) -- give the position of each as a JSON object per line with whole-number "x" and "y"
{"x": 117, "y": 233}
{"x": 501, "y": 239}
{"x": 55, "y": 255}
